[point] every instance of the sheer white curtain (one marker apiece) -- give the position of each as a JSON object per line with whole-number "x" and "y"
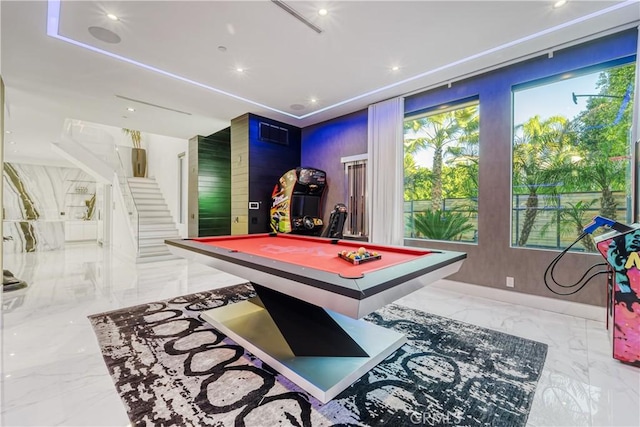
{"x": 385, "y": 172}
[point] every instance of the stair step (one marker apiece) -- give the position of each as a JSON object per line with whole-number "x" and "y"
{"x": 150, "y": 202}
{"x": 141, "y": 181}
{"x": 148, "y": 197}
{"x": 134, "y": 184}
{"x": 150, "y": 241}
{"x": 153, "y": 251}
{"x": 135, "y": 191}
{"x": 150, "y": 213}
{"x": 155, "y": 223}
{"x": 154, "y": 220}
{"x": 155, "y": 226}
{"x": 144, "y": 249}
{"x": 169, "y": 233}
{"x": 156, "y": 258}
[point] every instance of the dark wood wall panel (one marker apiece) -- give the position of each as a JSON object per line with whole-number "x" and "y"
{"x": 214, "y": 184}
{"x": 268, "y": 161}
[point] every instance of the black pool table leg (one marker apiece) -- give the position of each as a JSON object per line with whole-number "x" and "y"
{"x": 308, "y": 329}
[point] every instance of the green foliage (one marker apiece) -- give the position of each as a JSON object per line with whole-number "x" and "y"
{"x": 441, "y": 225}
{"x": 603, "y": 137}
{"x": 542, "y": 161}
{"x": 453, "y": 137}
{"x": 588, "y": 153}
{"x": 572, "y": 219}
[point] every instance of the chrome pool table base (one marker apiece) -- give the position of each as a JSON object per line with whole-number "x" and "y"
{"x": 250, "y": 325}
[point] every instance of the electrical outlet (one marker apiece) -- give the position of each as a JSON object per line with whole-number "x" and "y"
{"x": 510, "y": 283}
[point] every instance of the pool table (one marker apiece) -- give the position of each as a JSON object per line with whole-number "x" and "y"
{"x": 304, "y": 321}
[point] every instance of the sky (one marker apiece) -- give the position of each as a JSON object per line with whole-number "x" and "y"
{"x": 554, "y": 99}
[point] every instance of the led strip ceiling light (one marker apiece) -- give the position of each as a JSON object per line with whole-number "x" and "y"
{"x": 53, "y": 23}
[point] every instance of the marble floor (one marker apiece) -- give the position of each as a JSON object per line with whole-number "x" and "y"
{"x": 53, "y": 373}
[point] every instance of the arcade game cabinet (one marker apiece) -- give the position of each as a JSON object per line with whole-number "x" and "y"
{"x": 296, "y": 202}
{"x": 620, "y": 247}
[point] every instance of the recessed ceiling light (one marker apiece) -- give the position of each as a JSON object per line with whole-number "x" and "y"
{"x": 240, "y": 70}
{"x": 395, "y": 68}
{"x": 12, "y": 142}
{"x": 559, "y": 3}
{"x": 131, "y": 109}
{"x": 323, "y": 12}
{"x": 7, "y": 131}
{"x": 104, "y": 35}
{"x": 313, "y": 100}
{"x": 112, "y": 17}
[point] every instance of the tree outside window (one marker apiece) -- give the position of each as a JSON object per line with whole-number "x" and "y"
{"x": 441, "y": 174}
{"x": 571, "y": 158}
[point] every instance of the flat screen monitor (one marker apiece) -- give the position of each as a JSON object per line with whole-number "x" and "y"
{"x": 305, "y": 205}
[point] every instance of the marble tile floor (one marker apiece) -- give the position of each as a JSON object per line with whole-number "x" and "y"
{"x": 53, "y": 373}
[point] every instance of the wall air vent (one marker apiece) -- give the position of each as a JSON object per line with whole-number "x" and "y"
{"x": 273, "y": 133}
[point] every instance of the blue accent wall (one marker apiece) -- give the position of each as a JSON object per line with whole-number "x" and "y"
{"x": 324, "y": 144}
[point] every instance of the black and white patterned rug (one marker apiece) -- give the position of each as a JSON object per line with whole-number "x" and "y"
{"x": 172, "y": 369}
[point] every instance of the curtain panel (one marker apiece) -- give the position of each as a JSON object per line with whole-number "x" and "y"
{"x": 385, "y": 172}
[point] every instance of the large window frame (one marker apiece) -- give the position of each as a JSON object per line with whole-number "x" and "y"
{"x": 572, "y": 160}
{"x": 441, "y": 161}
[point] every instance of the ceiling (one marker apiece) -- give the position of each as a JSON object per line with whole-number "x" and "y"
{"x": 177, "y": 62}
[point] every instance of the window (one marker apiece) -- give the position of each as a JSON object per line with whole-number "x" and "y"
{"x": 441, "y": 173}
{"x": 355, "y": 172}
{"x": 571, "y": 155}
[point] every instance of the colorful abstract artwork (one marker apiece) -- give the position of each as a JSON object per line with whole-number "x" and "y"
{"x": 622, "y": 252}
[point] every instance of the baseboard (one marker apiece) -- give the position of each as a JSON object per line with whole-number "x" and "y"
{"x": 585, "y": 311}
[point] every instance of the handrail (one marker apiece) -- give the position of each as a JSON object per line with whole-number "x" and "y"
{"x": 129, "y": 201}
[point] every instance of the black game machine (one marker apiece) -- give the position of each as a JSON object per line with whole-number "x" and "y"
{"x": 296, "y": 202}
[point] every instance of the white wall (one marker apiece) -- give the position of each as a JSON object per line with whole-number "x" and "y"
{"x": 162, "y": 159}
{"x": 162, "y": 164}
{"x": 122, "y": 241}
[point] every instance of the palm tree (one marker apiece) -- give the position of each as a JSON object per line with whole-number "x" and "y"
{"x": 441, "y": 225}
{"x": 452, "y": 133}
{"x": 464, "y": 155}
{"x": 605, "y": 174}
{"x": 437, "y": 132}
{"x": 571, "y": 222}
{"x": 603, "y": 130}
{"x": 541, "y": 161}
{"x": 576, "y": 217}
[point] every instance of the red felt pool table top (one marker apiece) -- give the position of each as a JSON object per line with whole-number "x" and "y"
{"x": 314, "y": 253}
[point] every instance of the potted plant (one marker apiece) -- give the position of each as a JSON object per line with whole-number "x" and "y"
{"x": 138, "y": 154}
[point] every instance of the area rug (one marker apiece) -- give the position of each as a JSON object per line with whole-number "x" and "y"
{"x": 172, "y": 369}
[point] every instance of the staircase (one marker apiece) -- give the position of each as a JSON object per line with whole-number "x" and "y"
{"x": 154, "y": 219}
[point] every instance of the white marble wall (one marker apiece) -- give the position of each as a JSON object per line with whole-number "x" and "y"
{"x": 44, "y": 197}
{"x": 29, "y": 236}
